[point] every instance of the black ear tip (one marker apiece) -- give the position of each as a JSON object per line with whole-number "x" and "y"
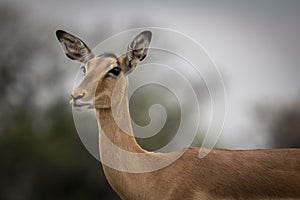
{"x": 59, "y": 33}
{"x": 148, "y": 34}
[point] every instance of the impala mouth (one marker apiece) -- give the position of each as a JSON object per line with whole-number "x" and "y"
{"x": 79, "y": 104}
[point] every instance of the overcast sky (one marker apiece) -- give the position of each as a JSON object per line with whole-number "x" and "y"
{"x": 256, "y": 45}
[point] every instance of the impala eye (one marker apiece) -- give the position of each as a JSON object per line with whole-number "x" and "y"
{"x": 83, "y": 69}
{"x": 115, "y": 71}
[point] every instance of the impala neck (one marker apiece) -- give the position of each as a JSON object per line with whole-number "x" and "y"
{"x": 121, "y": 137}
{"x": 115, "y": 125}
{"x": 112, "y": 137}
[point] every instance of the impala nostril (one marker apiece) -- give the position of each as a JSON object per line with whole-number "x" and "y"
{"x": 81, "y": 95}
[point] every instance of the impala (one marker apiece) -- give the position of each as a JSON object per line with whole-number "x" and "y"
{"x": 222, "y": 174}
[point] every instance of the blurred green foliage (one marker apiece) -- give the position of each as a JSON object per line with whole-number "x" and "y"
{"x": 41, "y": 154}
{"x": 44, "y": 158}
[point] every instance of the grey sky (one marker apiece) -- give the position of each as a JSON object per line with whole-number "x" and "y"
{"x": 256, "y": 45}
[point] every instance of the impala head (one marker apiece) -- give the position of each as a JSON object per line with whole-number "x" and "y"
{"x": 102, "y": 72}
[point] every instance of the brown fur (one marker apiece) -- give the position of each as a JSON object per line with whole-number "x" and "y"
{"x": 222, "y": 174}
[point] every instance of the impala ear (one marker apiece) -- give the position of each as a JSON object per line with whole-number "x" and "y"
{"x": 137, "y": 49}
{"x": 74, "y": 47}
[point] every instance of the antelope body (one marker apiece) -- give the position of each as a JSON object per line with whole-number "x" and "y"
{"x": 222, "y": 174}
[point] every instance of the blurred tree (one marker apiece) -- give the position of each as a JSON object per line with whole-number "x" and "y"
{"x": 41, "y": 155}
{"x": 283, "y": 123}
{"x": 140, "y": 103}
{"x": 286, "y": 128}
